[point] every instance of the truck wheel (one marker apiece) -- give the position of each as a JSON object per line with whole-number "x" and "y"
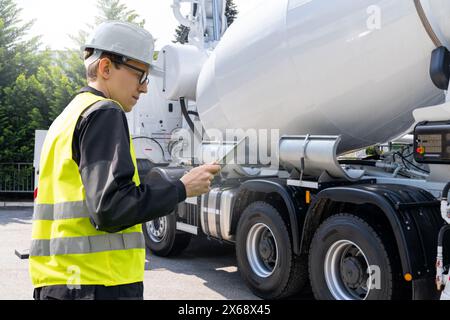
{"x": 348, "y": 261}
{"x": 264, "y": 254}
{"x": 162, "y": 238}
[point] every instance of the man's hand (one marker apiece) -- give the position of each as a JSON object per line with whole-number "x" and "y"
{"x": 198, "y": 180}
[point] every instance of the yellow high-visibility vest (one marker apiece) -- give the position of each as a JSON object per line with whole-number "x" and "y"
{"x": 66, "y": 248}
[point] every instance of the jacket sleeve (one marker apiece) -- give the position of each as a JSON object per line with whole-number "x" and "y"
{"x": 106, "y": 167}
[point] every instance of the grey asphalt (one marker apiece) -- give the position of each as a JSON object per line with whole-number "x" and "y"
{"x": 206, "y": 270}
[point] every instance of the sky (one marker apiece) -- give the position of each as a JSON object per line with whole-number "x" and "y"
{"x": 55, "y": 20}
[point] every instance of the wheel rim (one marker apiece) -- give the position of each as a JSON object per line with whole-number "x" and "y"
{"x": 262, "y": 250}
{"x": 347, "y": 271}
{"x": 157, "y": 229}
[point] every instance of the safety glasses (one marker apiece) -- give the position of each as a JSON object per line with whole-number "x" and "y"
{"x": 144, "y": 74}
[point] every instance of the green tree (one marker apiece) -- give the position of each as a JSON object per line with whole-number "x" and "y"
{"x": 16, "y": 54}
{"x": 24, "y": 108}
{"x": 71, "y": 60}
{"x": 31, "y": 103}
{"x": 231, "y": 12}
{"x": 23, "y": 104}
{"x": 108, "y": 10}
{"x": 35, "y": 86}
{"x": 58, "y": 89}
{"x": 181, "y": 34}
{"x": 115, "y": 10}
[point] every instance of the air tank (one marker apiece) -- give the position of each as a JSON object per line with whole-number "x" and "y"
{"x": 355, "y": 68}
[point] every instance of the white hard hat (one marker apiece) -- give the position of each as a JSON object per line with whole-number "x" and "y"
{"x": 124, "y": 39}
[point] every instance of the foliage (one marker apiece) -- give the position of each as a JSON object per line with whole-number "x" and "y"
{"x": 35, "y": 84}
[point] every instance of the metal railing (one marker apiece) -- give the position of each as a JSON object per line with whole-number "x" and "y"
{"x": 16, "y": 177}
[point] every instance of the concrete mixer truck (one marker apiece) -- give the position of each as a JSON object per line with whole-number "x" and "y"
{"x": 284, "y": 98}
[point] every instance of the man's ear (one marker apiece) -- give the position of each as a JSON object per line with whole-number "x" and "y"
{"x": 104, "y": 68}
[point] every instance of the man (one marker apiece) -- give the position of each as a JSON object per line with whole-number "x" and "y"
{"x": 87, "y": 240}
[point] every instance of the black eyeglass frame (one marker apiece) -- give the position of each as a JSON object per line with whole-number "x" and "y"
{"x": 144, "y": 74}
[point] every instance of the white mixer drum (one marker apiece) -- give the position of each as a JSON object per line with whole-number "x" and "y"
{"x": 355, "y": 68}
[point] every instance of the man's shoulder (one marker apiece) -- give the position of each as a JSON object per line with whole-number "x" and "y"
{"x": 102, "y": 106}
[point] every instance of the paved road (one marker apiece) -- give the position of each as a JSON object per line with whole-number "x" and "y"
{"x": 205, "y": 270}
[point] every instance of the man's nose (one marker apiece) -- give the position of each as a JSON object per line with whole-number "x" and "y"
{"x": 144, "y": 87}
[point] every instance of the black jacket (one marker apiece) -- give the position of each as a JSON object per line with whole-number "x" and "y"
{"x": 101, "y": 148}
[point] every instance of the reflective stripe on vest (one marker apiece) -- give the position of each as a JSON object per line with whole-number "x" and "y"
{"x": 60, "y": 211}
{"x": 63, "y": 238}
{"x": 90, "y": 244}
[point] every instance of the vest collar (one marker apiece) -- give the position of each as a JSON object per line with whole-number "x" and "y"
{"x": 93, "y": 91}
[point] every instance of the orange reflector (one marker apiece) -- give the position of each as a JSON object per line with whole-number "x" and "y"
{"x": 408, "y": 277}
{"x": 420, "y": 150}
{"x": 308, "y": 197}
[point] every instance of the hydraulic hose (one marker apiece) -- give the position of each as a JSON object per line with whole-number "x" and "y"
{"x": 442, "y": 232}
{"x": 188, "y": 119}
{"x": 154, "y": 140}
{"x": 445, "y": 191}
{"x": 426, "y": 24}
{"x": 440, "y": 258}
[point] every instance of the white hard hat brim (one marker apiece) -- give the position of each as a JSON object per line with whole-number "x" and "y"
{"x": 123, "y": 39}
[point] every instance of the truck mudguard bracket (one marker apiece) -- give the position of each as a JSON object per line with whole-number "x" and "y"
{"x": 412, "y": 213}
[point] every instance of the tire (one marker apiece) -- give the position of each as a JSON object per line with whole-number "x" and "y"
{"x": 162, "y": 238}
{"x": 267, "y": 264}
{"x": 341, "y": 251}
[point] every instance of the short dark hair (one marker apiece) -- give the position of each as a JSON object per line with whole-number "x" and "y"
{"x": 92, "y": 69}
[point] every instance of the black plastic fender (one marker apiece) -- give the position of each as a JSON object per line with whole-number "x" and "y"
{"x": 413, "y": 215}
